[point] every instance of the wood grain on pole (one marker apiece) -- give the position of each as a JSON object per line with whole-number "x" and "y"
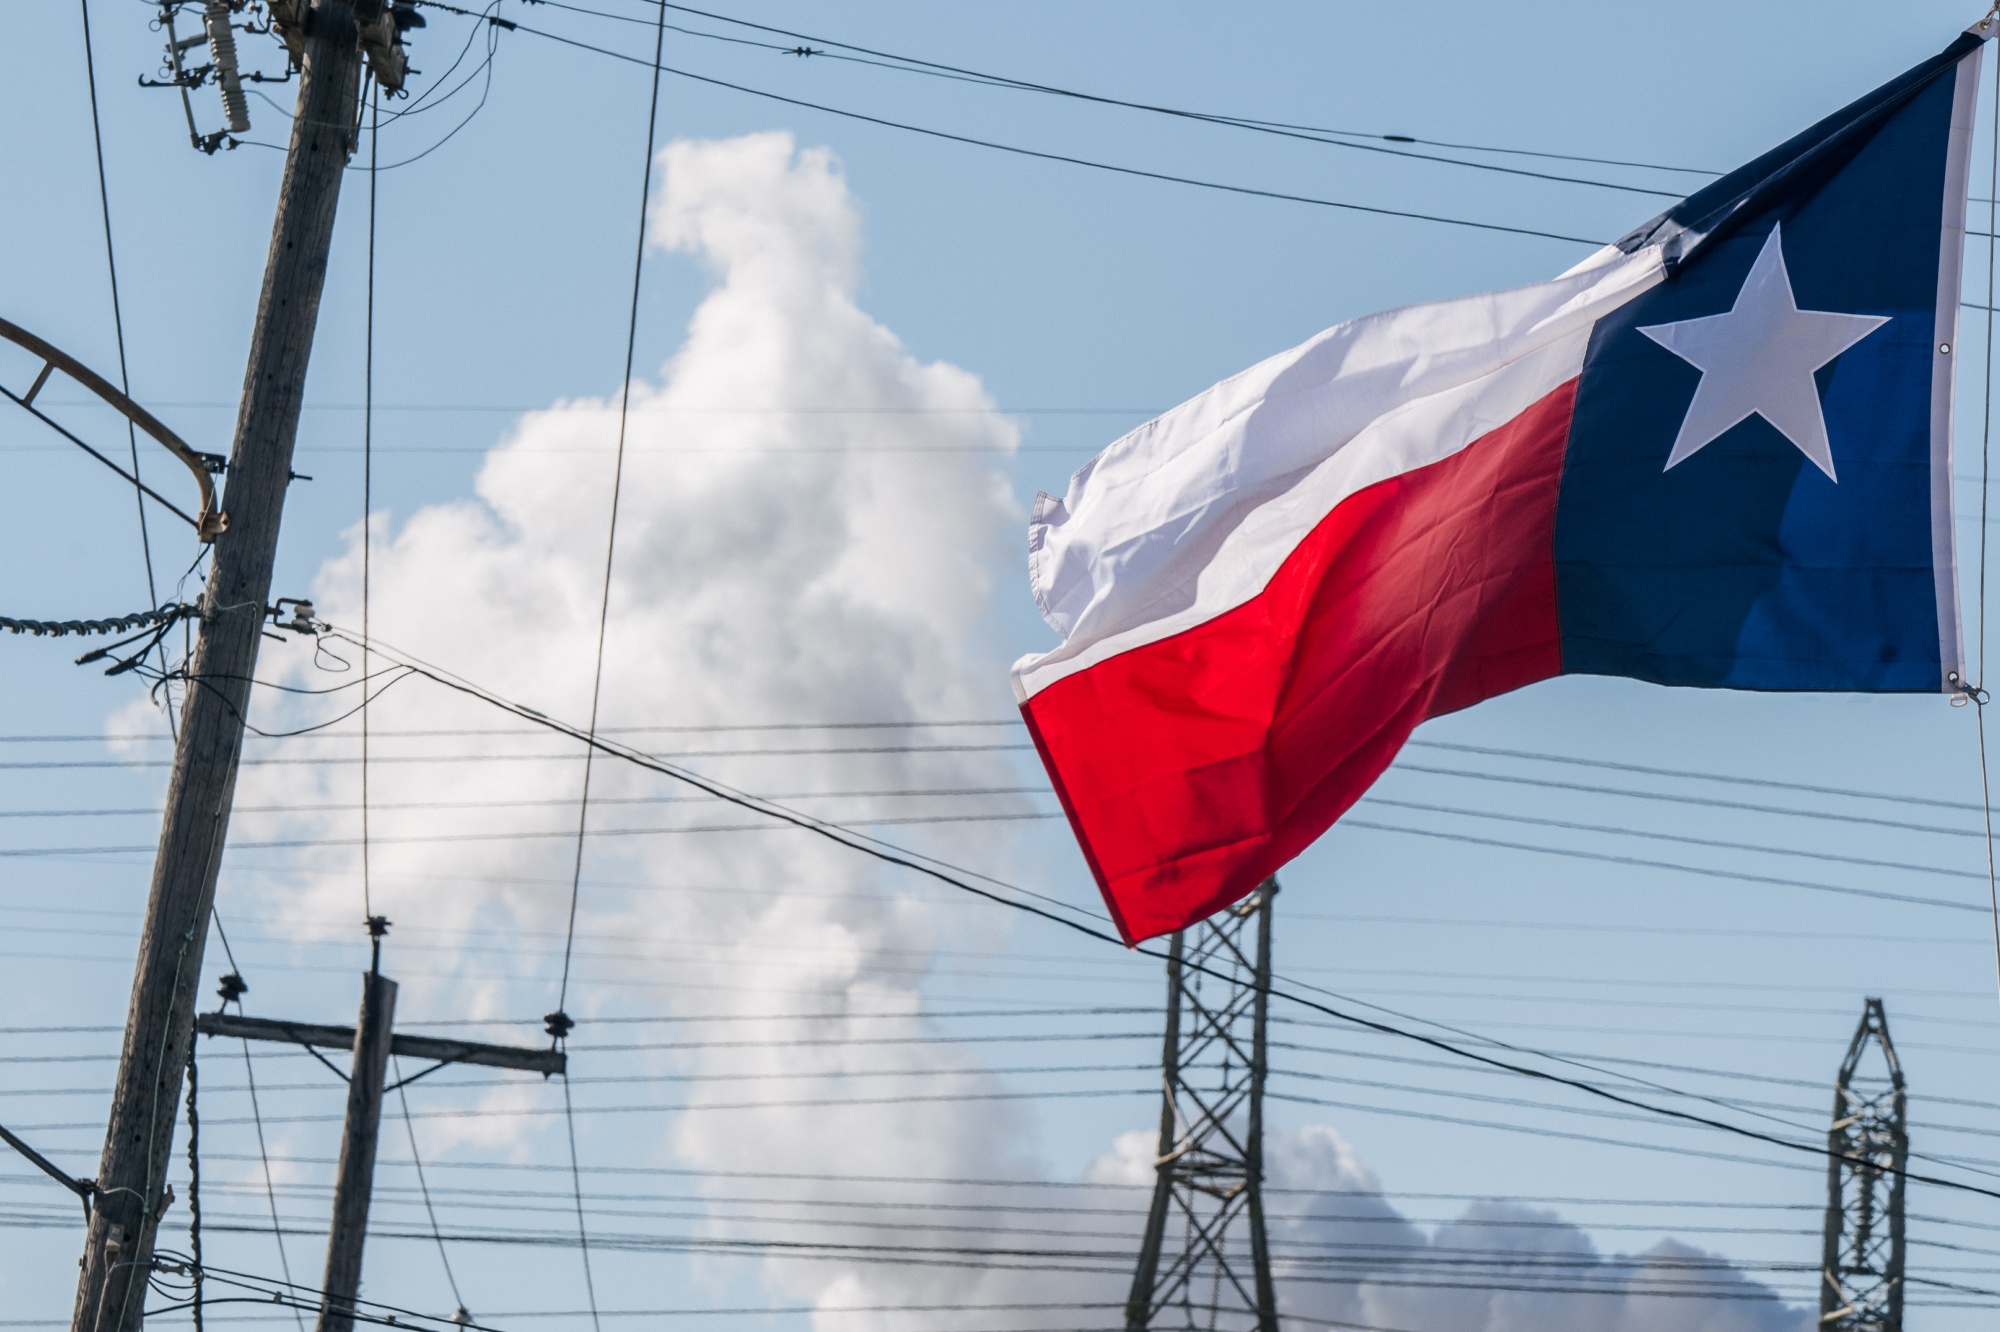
{"x": 354, "y": 1181}
{"x": 111, "y": 1291}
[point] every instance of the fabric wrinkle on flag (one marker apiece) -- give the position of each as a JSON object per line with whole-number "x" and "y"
{"x": 1716, "y": 454}
{"x": 1191, "y": 513}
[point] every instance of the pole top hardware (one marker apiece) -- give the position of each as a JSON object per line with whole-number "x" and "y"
{"x": 232, "y": 987}
{"x": 217, "y": 31}
{"x": 558, "y": 1024}
{"x": 377, "y": 927}
{"x": 379, "y": 24}
{"x": 382, "y": 41}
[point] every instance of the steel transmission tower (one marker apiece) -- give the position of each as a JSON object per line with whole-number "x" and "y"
{"x": 1861, "y": 1275}
{"x": 1205, "y": 1262}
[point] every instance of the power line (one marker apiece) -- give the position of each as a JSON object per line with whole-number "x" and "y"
{"x": 1701, "y": 871}
{"x": 264, "y": 1159}
{"x": 343, "y": 760}
{"x": 930, "y": 1182}
{"x": 1373, "y": 143}
{"x": 661, "y": 409}
{"x": 1036, "y": 153}
{"x": 559, "y": 1021}
{"x": 338, "y": 807}
{"x": 913, "y": 65}
{"x": 1705, "y": 802}
{"x": 1683, "y": 839}
{"x": 558, "y": 1200}
{"x": 1692, "y": 775}
{"x": 368, "y": 485}
{"x": 98, "y": 738}
{"x": 620, "y": 1080}
{"x": 1641, "y": 862}
{"x": 1537, "y": 756}
{"x": 929, "y": 867}
{"x": 1632, "y": 1276}
{"x": 424, "y": 1188}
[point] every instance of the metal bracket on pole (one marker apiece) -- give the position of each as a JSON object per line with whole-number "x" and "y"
{"x": 82, "y": 1188}
{"x": 209, "y": 524}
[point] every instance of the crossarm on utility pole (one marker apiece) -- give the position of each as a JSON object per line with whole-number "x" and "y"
{"x": 327, "y": 1037}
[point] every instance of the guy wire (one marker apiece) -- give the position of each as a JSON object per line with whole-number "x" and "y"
{"x": 1979, "y": 696}
{"x": 424, "y": 1188}
{"x": 617, "y": 486}
{"x": 368, "y": 472}
{"x": 118, "y": 313}
{"x": 576, "y": 1192}
{"x": 256, "y": 1118}
{"x": 559, "y": 1024}
{"x": 264, "y": 1158}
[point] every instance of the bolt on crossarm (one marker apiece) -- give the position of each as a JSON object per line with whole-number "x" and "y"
{"x": 1205, "y": 1260}
{"x": 1861, "y": 1273}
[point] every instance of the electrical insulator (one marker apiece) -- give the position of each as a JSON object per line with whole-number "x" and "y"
{"x": 222, "y": 51}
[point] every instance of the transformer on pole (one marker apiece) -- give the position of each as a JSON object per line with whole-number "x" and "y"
{"x": 1861, "y": 1272}
{"x": 1205, "y": 1261}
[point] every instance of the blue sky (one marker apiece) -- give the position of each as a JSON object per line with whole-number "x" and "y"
{"x": 1082, "y": 301}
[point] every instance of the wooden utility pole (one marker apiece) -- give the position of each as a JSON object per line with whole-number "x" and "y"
{"x": 131, "y": 1180}
{"x": 354, "y": 1182}
{"x": 372, "y": 1039}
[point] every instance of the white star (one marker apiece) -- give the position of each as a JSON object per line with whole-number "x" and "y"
{"x": 1759, "y": 359}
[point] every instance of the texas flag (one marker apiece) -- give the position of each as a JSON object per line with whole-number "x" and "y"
{"x": 1716, "y": 453}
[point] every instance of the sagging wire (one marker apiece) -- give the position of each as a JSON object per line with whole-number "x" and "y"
{"x": 802, "y": 46}
{"x": 231, "y": 989}
{"x": 291, "y": 1294}
{"x": 368, "y": 481}
{"x": 484, "y": 72}
{"x": 896, "y": 856}
{"x": 1978, "y": 693}
{"x": 424, "y": 1188}
{"x": 163, "y": 621}
{"x": 397, "y": 674}
{"x": 1035, "y": 153}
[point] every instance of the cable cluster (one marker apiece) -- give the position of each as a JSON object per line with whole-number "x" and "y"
{"x": 165, "y": 615}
